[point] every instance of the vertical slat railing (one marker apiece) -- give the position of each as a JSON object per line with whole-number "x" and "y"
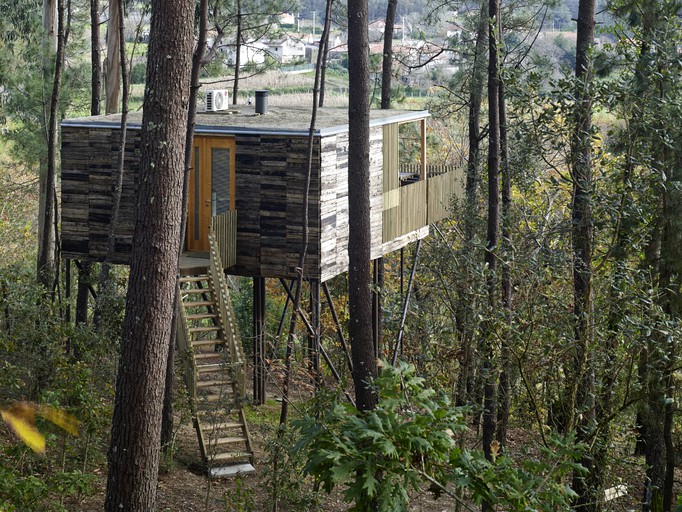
{"x": 229, "y": 326}
{"x": 225, "y": 228}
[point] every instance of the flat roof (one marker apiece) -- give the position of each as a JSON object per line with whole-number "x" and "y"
{"x": 277, "y": 120}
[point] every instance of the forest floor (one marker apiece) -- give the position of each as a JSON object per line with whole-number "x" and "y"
{"x": 184, "y": 487}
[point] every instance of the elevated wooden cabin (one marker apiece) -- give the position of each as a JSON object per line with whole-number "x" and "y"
{"x": 248, "y": 178}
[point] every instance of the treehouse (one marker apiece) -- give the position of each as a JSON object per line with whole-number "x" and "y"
{"x": 245, "y": 207}
{"x": 248, "y": 178}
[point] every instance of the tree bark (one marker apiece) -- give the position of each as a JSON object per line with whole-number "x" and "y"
{"x": 136, "y": 424}
{"x": 238, "y": 53}
{"x": 112, "y": 63}
{"x": 359, "y": 241}
{"x": 47, "y": 242}
{"x": 465, "y": 321}
{"x": 487, "y": 334}
{"x": 197, "y": 63}
{"x": 387, "y": 60}
{"x": 504, "y": 394}
{"x": 296, "y": 303}
{"x": 104, "y": 282}
{"x": 581, "y": 391}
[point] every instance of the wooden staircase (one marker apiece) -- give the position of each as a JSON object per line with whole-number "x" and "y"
{"x": 215, "y": 370}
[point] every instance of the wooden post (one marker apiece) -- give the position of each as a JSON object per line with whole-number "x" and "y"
{"x": 314, "y": 336}
{"x": 258, "y": 340}
{"x": 377, "y": 313}
{"x": 406, "y": 304}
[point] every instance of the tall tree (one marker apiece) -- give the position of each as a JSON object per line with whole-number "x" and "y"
{"x": 104, "y": 276}
{"x": 487, "y": 334}
{"x": 112, "y": 63}
{"x": 581, "y": 382}
{"x": 47, "y": 215}
{"x": 464, "y": 315}
{"x": 197, "y": 63}
{"x": 85, "y": 267}
{"x": 387, "y": 59}
{"x": 359, "y": 240}
{"x": 136, "y": 424}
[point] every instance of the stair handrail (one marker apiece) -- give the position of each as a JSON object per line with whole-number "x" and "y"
{"x": 232, "y": 339}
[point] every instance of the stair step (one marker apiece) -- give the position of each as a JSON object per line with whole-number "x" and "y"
{"x": 202, "y": 316}
{"x": 211, "y": 383}
{"x": 202, "y": 356}
{"x": 219, "y": 457}
{"x": 197, "y": 303}
{"x": 195, "y": 291}
{"x": 227, "y": 440}
{"x": 193, "y": 279}
{"x": 211, "y": 367}
{"x": 222, "y": 426}
{"x": 231, "y": 470}
{"x": 204, "y": 343}
{"x": 212, "y": 328}
{"x": 215, "y": 397}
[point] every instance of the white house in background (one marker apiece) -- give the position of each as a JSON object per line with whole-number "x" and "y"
{"x": 286, "y": 49}
{"x": 287, "y": 19}
{"x": 252, "y": 52}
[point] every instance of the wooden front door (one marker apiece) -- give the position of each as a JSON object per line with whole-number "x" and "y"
{"x": 211, "y": 187}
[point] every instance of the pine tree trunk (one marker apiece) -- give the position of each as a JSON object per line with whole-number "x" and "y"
{"x": 136, "y": 424}
{"x": 238, "y": 54}
{"x": 47, "y": 216}
{"x": 466, "y": 376}
{"x": 387, "y": 60}
{"x": 487, "y": 329}
{"x": 581, "y": 391}
{"x": 112, "y": 63}
{"x": 359, "y": 241}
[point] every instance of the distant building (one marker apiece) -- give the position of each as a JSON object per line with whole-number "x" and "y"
{"x": 252, "y": 52}
{"x": 286, "y": 49}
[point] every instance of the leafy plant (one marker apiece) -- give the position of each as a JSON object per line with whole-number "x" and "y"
{"x": 410, "y": 442}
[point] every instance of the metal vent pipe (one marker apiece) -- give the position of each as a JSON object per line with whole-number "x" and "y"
{"x": 261, "y": 102}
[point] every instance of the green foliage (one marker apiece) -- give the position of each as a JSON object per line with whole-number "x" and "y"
{"x": 282, "y": 474}
{"x": 239, "y": 497}
{"x": 409, "y": 441}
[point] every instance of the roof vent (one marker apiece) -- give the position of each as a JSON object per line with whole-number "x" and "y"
{"x": 261, "y": 102}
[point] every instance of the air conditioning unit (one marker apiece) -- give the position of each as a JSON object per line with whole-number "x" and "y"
{"x": 217, "y": 100}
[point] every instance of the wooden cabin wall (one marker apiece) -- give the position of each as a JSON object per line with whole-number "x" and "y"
{"x": 89, "y": 160}
{"x": 270, "y": 178}
{"x": 334, "y": 201}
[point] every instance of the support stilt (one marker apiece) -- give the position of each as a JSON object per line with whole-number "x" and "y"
{"x": 377, "y": 313}
{"x": 259, "y": 340}
{"x": 314, "y": 336}
{"x": 339, "y": 330}
{"x": 406, "y": 302}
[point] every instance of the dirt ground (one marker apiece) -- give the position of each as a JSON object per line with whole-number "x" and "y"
{"x": 184, "y": 488}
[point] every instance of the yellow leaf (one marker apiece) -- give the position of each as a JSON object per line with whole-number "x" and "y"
{"x": 60, "y": 418}
{"x": 21, "y": 419}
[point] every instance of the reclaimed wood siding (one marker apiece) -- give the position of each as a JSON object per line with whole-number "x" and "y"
{"x": 270, "y": 179}
{"x": 89, "y": 160}
{"x": 334, "y": 201}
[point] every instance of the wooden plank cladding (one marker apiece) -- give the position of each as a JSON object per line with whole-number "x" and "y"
{"x": 225, "y": 228}
{"x": 89, "y": 160}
